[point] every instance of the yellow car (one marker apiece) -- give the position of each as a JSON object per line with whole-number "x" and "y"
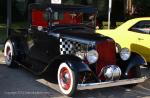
{"x": 133, "y": 35}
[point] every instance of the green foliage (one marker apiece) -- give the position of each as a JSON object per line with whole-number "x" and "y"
{"x": 2, "y": 11}
{"x": 18, "y": 25}
{"x": 3, "y": 33}
{"x": 105, "y": 25}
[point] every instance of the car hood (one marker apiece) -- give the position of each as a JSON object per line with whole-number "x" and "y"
{"x": 82, "y": 34}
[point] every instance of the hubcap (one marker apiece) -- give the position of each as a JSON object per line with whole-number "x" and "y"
{"x": 65, "y": 78}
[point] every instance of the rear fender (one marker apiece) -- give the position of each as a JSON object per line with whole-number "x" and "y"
{"x": 18, "y": 46}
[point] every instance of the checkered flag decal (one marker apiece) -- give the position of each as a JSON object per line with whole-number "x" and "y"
{"x": 68, "y": 47}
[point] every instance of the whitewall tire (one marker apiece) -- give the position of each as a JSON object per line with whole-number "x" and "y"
{"x": 9, "y": 54}
{"x": 67, "y": 80}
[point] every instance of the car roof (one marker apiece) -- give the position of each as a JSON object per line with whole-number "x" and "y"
{"x": 141, "y": 18}
{"x": 60, "y": 7}
{"x": 128, "y": 24}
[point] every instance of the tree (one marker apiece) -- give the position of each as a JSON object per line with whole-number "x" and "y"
{"x": 141, "y": 8}
{"x": 3, "y": 10}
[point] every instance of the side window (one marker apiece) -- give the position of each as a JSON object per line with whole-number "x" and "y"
{"x": 66, "y": 17}
{"x": 58, "y": 15}
{"x": 39, "y": 18}
{"x": 141, "y": 27}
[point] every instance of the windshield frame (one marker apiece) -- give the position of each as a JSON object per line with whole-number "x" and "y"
{"x": 85, "y": 10}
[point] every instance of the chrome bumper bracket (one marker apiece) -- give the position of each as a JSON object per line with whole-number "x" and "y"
{"x": 110, "y": 83}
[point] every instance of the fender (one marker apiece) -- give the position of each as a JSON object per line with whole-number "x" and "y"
{"x": 73, "y": 62}
{"x": 14, "y": 39}
{"x": 78, "y": 66}
{"x": 17, "y": 46}
{"x": 135, "y": 60}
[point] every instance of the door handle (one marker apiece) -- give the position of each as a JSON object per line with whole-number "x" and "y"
{"x": 140, "y": 39}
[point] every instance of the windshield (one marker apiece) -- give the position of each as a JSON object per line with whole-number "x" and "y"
{"x": 73, "y": 18}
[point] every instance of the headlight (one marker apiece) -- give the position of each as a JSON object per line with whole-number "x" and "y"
{"x": 125, "y": 54}
{"x": 92, "y": 56}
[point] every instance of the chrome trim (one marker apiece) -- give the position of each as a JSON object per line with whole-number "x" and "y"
{"x": 110, "y": 83}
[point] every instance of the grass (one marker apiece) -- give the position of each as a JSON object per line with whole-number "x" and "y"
{"x": 1, "y": 49}
{"x": 3, "y": 33}
{"x": 105, "y": 24}
{"x": 19, "y": 25}
{"x": 2, "y": 26}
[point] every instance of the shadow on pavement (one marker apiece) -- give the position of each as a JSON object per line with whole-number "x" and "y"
{"x": 17, "y": 82}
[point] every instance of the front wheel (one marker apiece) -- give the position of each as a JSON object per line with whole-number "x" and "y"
{"x": 135, "y": 72}
{"x": 67, "y": 80}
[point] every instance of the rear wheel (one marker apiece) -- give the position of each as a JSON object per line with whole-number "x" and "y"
{"x": 67, "y": 80}
{"x": 9, "y": 54}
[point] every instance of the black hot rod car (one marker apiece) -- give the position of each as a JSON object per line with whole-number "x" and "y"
{"x": 61, "y": 40}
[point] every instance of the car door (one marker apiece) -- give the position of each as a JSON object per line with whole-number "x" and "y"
{"x": 141, "y": 32}
{"x": 38, "y": 40}
{"x": 34, "y": 54}
{"x": 43, "y": 47}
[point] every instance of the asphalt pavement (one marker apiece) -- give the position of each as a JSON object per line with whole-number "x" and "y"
{"x": 19, "y": 83}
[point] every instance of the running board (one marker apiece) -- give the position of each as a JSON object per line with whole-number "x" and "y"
{"x": 110, "y": 83}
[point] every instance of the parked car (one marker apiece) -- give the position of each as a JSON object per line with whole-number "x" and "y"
{"x": 61, "y": 40}
{"x": 133, "y": 35}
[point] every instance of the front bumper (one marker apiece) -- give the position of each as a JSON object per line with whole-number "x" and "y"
{"x": 110, "y": 83}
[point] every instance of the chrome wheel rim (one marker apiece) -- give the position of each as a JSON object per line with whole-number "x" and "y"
{"x": 65, "y": 78}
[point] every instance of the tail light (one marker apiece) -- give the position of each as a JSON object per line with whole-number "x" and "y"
{"x": 107, "y": 54}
